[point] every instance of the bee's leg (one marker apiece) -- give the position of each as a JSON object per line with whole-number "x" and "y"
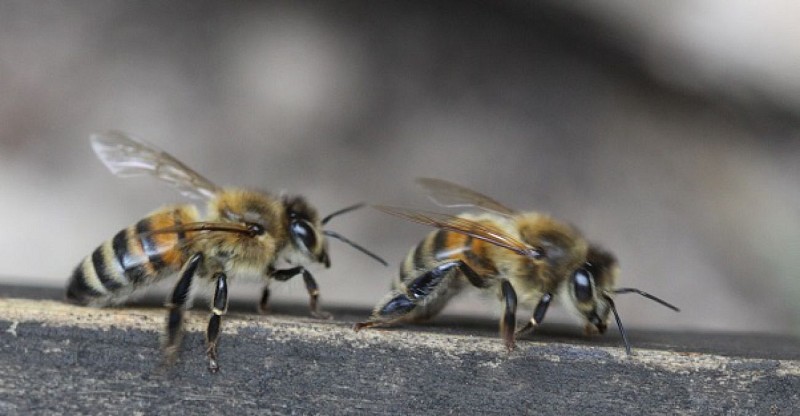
{"x": 538, "y": 314}
{"x": 311, "y": 287}
{"x": 218, "y": 309}
{"x": 474, "y": 278}
{"x": 391, "y": 309}
{"x": 285, "y": 274}
{"x": 281, "y": 275}
{"x": 509, "y": 319}
{"x": 399, "y": 303}
{"x": 176, "y": 306}
{"x": 508, "y": 322}
{"x": 262, "y": 304}
{"x": 313, "y": 296}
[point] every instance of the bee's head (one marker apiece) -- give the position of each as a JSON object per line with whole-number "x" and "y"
{"x": 307, "y": 234}
{"x": 305, "y": 230}
{"x": 589, "y": 287}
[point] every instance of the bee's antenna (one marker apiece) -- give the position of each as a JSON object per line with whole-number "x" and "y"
{"x": 616, "y": 315}
{"x": 645, "y": 294}
{"x": 352, "y": 244}
{"x": 341, "y": 211}
{"x": 619, "y": 324}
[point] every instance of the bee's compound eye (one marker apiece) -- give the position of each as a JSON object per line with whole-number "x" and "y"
{"x": 582, "y": 283}
{"x": 304, "y": 234}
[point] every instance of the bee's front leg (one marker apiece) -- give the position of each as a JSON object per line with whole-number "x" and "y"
{"x": 313, "y": 296}
{"x": 262, "y": 304}
{"x": 280, "y": 275}
{"x": 311, "y": 287}
{"x": 218, "y": 308}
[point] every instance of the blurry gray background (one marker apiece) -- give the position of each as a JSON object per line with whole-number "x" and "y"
{"x": 667, "y": 131}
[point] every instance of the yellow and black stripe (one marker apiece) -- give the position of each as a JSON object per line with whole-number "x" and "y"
{"x": 442, "y": 245}
{"x": 132, "y": 258}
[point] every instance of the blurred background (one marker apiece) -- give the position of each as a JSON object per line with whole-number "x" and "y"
{"x": 667, "y": 131}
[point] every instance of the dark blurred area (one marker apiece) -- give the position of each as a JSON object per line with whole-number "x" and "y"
{"x": 666, "y": 132}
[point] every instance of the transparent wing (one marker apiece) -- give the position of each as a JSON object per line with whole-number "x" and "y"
{"x": 127, "y": 156}
{"x": 485, "y": 232}
{"x": 451, "y": 195}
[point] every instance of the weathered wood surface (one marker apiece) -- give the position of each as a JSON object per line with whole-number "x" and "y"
{"x": 60, "y": 359}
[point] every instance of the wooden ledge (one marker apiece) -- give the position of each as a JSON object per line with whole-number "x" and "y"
{"x": 58, "y": 358}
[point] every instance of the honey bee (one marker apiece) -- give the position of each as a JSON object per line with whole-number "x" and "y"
{"x": 245, "y": 232}
{"x": 525, "y": 258}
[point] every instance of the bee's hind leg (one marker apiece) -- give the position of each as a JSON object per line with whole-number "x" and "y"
{"x": 176, "y": 307}
{"x": 393, "y": 308}
{"x": 218, "y": 309}
{"x": 422, "y": 297}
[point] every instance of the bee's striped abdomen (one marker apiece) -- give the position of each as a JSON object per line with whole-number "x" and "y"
{"x": 440, "y": 246}
{"x": 133, "y": 258}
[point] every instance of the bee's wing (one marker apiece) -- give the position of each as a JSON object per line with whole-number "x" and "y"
{"x": 230, "y": 227}
{"x": 199, "y": 230}
{"x": 451, "y": 195}
{"x": 485, "y": 232}
{"x": 126, "y": 156}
